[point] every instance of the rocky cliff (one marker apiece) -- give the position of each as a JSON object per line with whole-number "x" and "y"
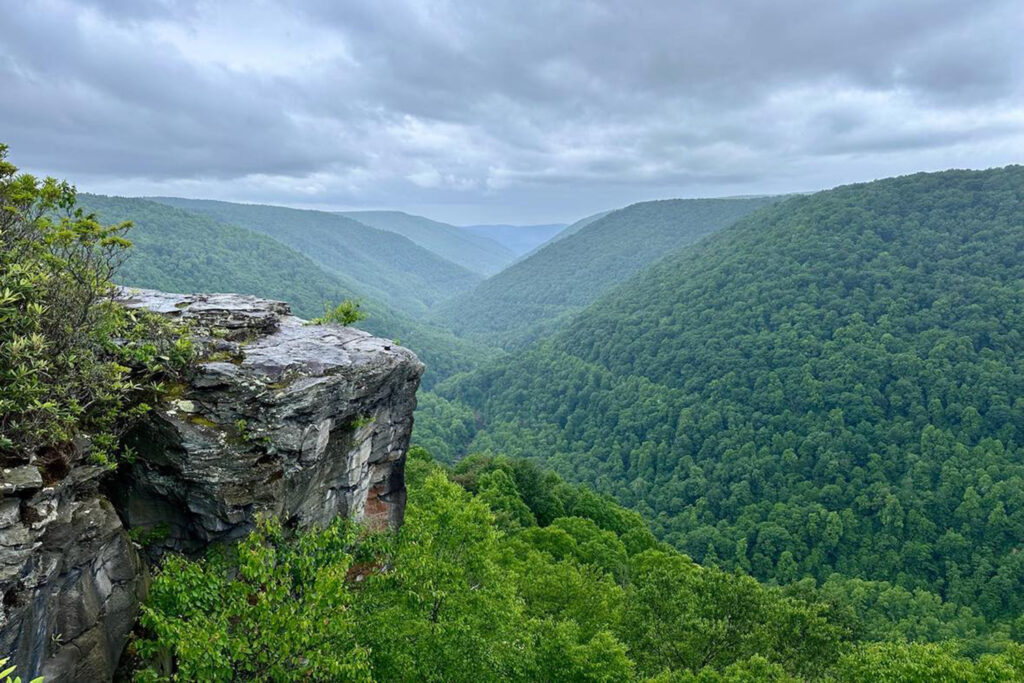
{"x": 280, "y": 418}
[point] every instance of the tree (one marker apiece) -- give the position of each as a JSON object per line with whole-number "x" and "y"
{"x": 446, "y": 611}
{"x": 70, "y": 359}
{"x": 275, "y": 610}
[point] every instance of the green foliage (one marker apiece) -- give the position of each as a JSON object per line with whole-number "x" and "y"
{"x": 363, "y": 420}
{"x": 832, "y": 385}
{"x": 482, "y": 586}
{"x": 6, "y": 671}
{"x": 925, "y": 663}
{"x": 346, "y": 313}
{"x": 446, "y": 611}
{"x": 881, "y": 611}
{"x": 274, "y": 610}
{"x": 442, "y": 425}
{"x": 145, "y": 537}
{"x": 537, "y": 295}
{"x": 71, "y": 360}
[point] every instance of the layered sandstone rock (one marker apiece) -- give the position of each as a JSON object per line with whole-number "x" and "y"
{"x": 281, "y": 418}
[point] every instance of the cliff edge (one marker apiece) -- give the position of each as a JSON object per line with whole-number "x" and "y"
{"x": 280, "y": 418}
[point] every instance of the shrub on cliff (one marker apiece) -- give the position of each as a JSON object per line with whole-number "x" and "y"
{"x": 71, "y": 360}
{"x": 346, "y": 313}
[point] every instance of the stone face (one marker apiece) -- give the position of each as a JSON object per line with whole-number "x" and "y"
{"x": 18, "y": 479}
{"x": 304, "y": 422}
{"x": 281, "y": 418}
{"x": 70, "y": 577}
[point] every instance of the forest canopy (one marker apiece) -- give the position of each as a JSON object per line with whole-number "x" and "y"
{"x": 835, "y": 384}
{"x": 505, "y": 572}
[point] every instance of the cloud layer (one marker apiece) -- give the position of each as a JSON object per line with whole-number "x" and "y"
{"x": 506, "y": 111}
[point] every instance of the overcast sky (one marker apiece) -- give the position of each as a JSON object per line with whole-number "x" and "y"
{"x": 494, "y": 111}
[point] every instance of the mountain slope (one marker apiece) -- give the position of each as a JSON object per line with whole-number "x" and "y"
{"x": 383, "y": 265}
{"x": 535, "y": 296}
{"x": 831, "y": 385}
{"x": 473, "y": 252}
{"x": 575, "y": 228}
{"x": 519, "y": 238}
{"x": 180, "y": 251}
{"x": 566, "y": 232}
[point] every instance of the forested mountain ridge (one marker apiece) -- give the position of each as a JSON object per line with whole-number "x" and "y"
{"x": 833, "y": 384}
{"x": 535, "y": 296}
{"x": 177, "y": 250}
{"x": 572, "y": 229}
{"x": 383, "y": 265}
{"x": 473, "y": 252}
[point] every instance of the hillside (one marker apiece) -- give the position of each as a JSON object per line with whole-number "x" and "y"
{"x": 382, "y": 265}
{"x": 831, "y": 385}
{"x": 471, "y": 251}
{"x": 181, "y": 251}
{"x": 574, "y": 228}
{"x": 536, "y": 296}
{"x": 566, "y": 232}
{"x": 519, "y": 238}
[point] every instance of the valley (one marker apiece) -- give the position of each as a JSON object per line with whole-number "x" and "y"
{"x": 799, "y": 408}
{"x": 799, "y": 388}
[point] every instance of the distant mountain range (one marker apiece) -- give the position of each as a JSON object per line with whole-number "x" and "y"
{"x": 181, "y": 250}
{"x": 476, "y": 252}
{"x": 534, "y": 296}
{"x": 518, "y": 238}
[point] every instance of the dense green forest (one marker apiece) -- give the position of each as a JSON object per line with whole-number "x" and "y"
{"x": 505, "y": 572}
{"x": 473, "y": 252}
{"x": 382, "y": 265}
{"x": 834, "y": 385}
{"x": 537, "y": 295}
{"x": 176, "y": 250}
{"x": 179, "y": 251}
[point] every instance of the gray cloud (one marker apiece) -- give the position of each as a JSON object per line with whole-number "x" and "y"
{"x": 505, "y": 111}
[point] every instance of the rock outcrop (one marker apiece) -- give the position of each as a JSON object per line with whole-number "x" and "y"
{"x": 70, "y": 576}
{"x": 281, "y": 418}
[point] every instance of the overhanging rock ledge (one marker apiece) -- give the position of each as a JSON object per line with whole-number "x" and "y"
{"x": 281, "y": 418}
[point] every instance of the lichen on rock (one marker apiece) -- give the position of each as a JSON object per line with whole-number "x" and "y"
{"x": 309, "y": 423}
